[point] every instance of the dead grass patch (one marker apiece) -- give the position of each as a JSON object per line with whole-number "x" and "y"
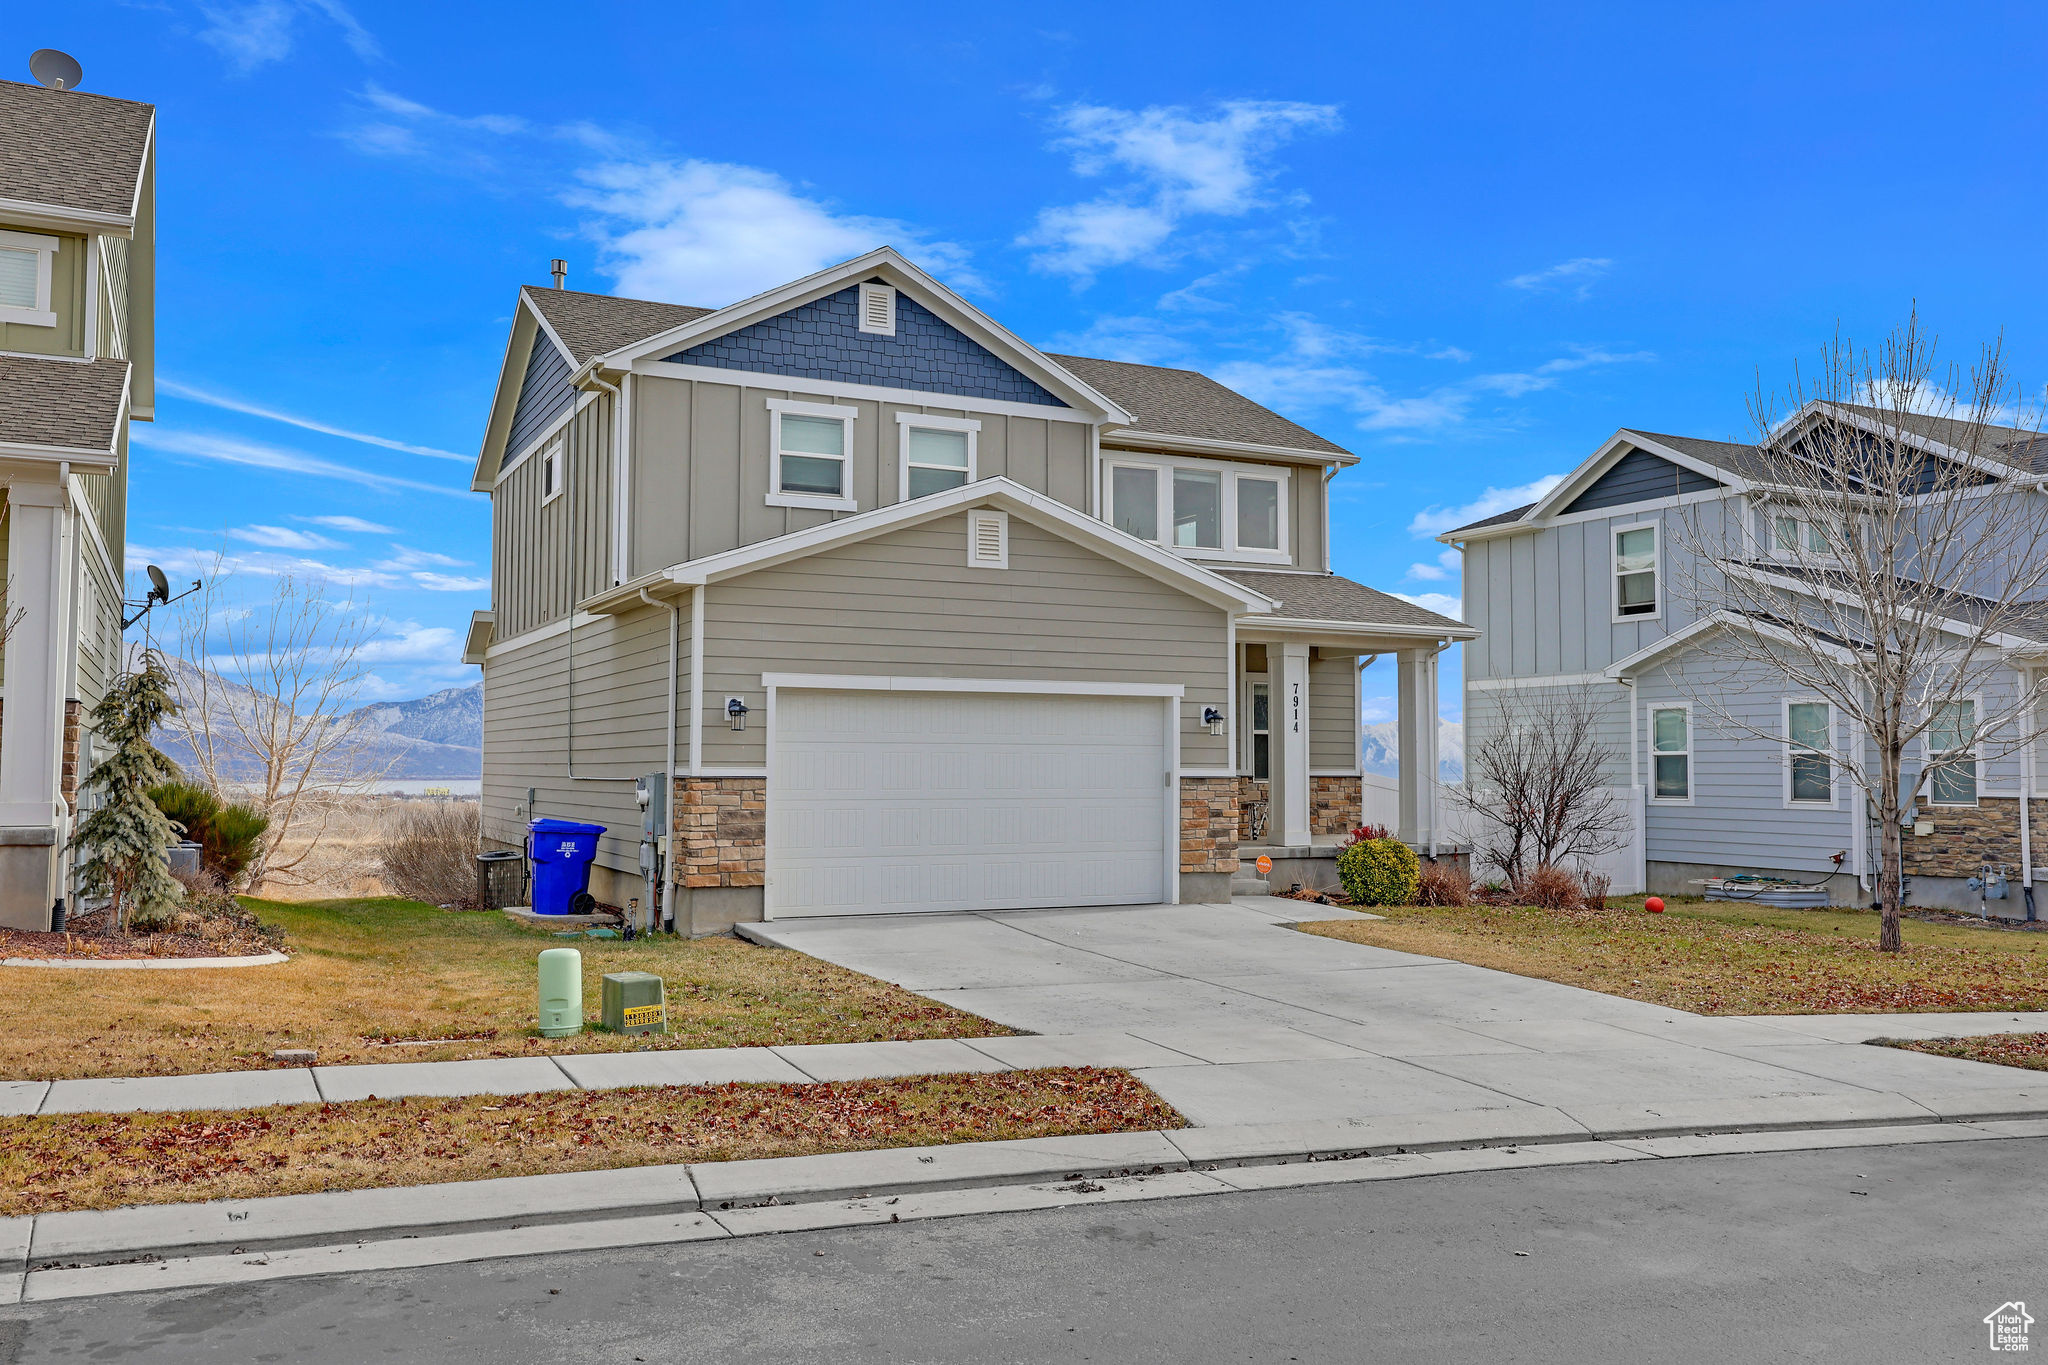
{"x": 2026, "y": 1050}
{"x": 1713, "y": 958}
{"x": 367, "y": 972}
{"x": 100, "y": 1161}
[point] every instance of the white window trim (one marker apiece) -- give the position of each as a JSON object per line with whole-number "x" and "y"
{"x": 1831, "y": 754}
{"x": 1614, "y": 535}
{"x": 868, "y": 291}
{"x": 906, "y": 422}
{"x": 846, "y": 502}
{"x": 1974, "y": 753}
{"x": 44, "y": 313}
{"x": 556, "y": 450}
{"x": 1231, "y": 471}
{"x": 1692, "y": 777}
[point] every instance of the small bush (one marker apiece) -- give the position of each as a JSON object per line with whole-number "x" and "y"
{"x": 1595, "y": 885}
{"x": 211, "y": 912}
{"x": 1439, "y": 885}
{"x": 229, "y": 835}
{"x": 430, "y": 853}
{"x": 1378, "y": 872}
{"x": 1552, "y": 888}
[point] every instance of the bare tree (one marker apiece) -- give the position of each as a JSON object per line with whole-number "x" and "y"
{"x": 267, "y": 693}
{"x": 1536, "y": 784}
{"x": 1892, "y": 565}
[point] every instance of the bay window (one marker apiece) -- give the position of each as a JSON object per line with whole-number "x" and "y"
{"x": 1201, "y": 508}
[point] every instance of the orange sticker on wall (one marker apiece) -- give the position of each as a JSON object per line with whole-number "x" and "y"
{"x": 1265, "y": 864}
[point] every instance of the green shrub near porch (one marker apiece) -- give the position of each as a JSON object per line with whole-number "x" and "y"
{"x": 1379, "y": 872}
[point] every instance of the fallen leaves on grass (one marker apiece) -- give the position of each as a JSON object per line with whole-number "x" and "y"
{"x": 2028, "y": 1050}
{"x": 96, "y": 1161}
{"x": 1727, "y": 960}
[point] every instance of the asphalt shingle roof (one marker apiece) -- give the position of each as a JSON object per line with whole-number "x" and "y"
{"x": 1327, "y": 597}
{"x": 70, "y": 149}
{"x": 67, "y": 403}
{"x": 598, "y": 324}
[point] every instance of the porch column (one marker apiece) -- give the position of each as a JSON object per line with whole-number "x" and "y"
{"x": 32, "y": 721}
{"x": 1287, "y": 746}
{"x": 1415, "y": 684}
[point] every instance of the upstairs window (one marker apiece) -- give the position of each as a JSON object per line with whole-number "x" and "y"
{"x": 936, "y": 453}
{"x": 1635, "y": 572}
{"x": 1201, "y": 508}
{"x": 1952, "y": 754}
{"x": 25, "y": 265}
{"x": 810, "y": 455}
{"x": 1810, "y": 771}
{"x": 1671, "y": 753}
{"x": 551, "y": 480}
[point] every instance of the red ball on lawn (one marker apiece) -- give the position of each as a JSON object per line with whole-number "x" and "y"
{"x": 1655, "y": 905}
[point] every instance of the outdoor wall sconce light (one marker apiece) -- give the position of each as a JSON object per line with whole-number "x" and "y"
{"x": 1212, "y": 716}
{"x": 736, "y": 711}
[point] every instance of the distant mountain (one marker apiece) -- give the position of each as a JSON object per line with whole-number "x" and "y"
{"x": 1381, "y": 748}
{"x": 438, "y": 736}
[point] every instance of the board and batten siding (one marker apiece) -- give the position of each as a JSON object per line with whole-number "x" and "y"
{"x": 906, "y": 604}
{"x": 1333, "y": 714}
{"x": 607, "y": 713}
{"x": 701, "y": 462}
{"x": 548, "y": 557}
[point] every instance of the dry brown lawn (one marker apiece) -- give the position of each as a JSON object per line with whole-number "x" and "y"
{"x": 1716, "y": 958}
{"x": 368, "y": 974}
{"x": 2026, "y": 1050}
{"x": 98, "y": 1161}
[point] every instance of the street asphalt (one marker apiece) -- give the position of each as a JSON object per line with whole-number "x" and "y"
{"x": 1867, "y": 1255}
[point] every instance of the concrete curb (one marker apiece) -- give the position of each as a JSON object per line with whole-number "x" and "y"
{"x": 152, "y": 964}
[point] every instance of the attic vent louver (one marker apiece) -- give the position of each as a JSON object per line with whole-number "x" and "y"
{"x": 988, "y": 540}
{"x": 878, "y": 309}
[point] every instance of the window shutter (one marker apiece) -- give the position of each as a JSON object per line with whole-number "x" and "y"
{"x": 988, "y": 540}
{"x": 878, "y": 309}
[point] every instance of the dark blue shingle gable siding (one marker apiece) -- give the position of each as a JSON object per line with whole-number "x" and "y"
{"x": 544, "y": 395}
{"x": 1640, "y": 476}
{"x": 822, "y": 340}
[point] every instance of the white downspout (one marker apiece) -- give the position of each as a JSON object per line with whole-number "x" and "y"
{"x": 697, "y": 680}
{"x": 2026, "y": 791}
{"x": 668, "y": 770}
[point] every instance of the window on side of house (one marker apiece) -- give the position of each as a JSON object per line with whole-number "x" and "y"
{"x": 1258, "y": 513}
{"x": 551, "y": 472}
{"x": 1201, "y": 508}
{"x": 26, "y": 262}
{"x": 1792, "y": 537}
{"x": 811, "y": 455}
{"x": 1670, "y": 753}
{"x": 1134, "y": 500}
{"x": 937, "y": 453}
{"x": 1811, "y": 767}
{"x": 1197, "y": 509}
{"x": 1262, "y": 730}
{"x": 1952, "y": 754}
{"x": 1635, "y": 572}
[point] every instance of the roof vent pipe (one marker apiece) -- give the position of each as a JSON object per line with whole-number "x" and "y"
{"x": 560, "y": 270}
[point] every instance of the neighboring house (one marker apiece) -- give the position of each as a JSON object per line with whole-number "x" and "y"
{"x": 1587, "y": 590}
{"x": 918, "y": 616}
{"x": 77, "y": 295}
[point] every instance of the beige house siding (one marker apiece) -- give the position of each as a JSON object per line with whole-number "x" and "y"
{"x": 113, "y": 320}
{"x": 547, "y": 558}
{"x": 1333, "y": 713}
{"x": 906, "y": 604}
{"x": 618, "y": 720}
{"x": 700, "y": 463}
{"x": 67, "y": 301}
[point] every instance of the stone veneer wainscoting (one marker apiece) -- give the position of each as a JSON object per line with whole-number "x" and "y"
{"x": 721, "y": 831}
{"x": 1965, "y": 838}
{"x": 1336, "y": 805}
{"x": 1208, "y": 824}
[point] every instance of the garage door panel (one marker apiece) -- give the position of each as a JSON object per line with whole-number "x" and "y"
{"x": 897, "y": 802}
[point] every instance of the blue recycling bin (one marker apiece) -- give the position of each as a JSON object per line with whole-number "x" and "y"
{"x": 562, "y": 851}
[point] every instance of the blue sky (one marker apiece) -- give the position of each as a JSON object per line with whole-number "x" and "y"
{"x": 1465, "y": 241}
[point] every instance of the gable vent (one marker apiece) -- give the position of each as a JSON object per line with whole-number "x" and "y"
{"x": 988, "y": 540}
{"x": 878, "y": 309}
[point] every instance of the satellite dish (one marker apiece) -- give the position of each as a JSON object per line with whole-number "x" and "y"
{"x": 58, "y": 70}
{"x": 160, "y": 587}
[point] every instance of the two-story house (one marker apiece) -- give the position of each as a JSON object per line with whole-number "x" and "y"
{"x": 1604, "y": 589}
{"x": 77, "y": 291}
{"x": 914, "y": 615}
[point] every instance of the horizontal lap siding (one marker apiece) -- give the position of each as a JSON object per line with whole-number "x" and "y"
{"x": 1333, "y": 714}
{"x": 620, "y": 729}
{"x": 906, "y": 604}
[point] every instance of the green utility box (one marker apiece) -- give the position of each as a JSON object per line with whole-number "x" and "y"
{"x": 634, "y": 1002}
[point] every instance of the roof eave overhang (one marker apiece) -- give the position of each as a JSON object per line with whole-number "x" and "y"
{"x": 1625, "y": 668}
{"x": 482, "y": 630}
{"x": 101, "y": 461}
{"x": 1609, "y": 452}
{"x": 1202, "y": 445}
{"x": 1982, "y": 464}
{"x": 28, "y": 213}
{"x": 490, "y": 452}
{"x": 1261, "y": 624}
{"x": 1506, "y": 528}
{"x": 891, "y": 266}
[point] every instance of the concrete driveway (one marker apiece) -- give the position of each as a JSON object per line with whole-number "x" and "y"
{"x": 1235, "y": 1017}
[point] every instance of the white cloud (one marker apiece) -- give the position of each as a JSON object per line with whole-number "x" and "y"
{"x": 1433, "y": 521}
{"x": 232, "y": 450}
{"x": 282, "y": 538}
{"x": 441, "y": 582}
{"x": 356, "y": 524}
{"x": 188, "y": 562}
{"x": 1443, "y": 604}
{"x": 710, "y": 233}
{"x": 1450, "y": 564}
{"x": 1577, "y": 274}
{"x": 406, "y": 559}
{"x": 258, "y": 33}
{"x": 1174, "y": 166}
{"x": 216, "y": 400}
{"x": 410, "y": 642}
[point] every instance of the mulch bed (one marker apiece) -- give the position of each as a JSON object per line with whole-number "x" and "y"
{"x": 91, "y": 937}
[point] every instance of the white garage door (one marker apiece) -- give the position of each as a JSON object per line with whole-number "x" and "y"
{"x": 904, "y": 801}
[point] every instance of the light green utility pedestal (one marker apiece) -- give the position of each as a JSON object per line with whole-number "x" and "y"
{"x": 634, "y": 1002}
{"x": 561, "y": 993}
